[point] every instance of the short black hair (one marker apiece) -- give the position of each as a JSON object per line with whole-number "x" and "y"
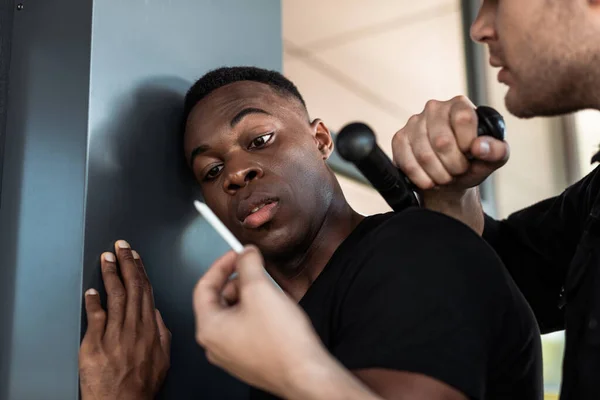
{"x": 220, "y": 77}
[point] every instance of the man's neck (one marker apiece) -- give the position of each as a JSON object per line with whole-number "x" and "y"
{"x": 339, "y": 222}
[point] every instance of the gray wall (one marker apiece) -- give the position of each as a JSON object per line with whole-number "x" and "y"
{"x": 41, "y": 214}
{"x": 93, "y": 155}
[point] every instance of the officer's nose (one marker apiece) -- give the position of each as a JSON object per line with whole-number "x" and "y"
{"x": 483, "y": 29}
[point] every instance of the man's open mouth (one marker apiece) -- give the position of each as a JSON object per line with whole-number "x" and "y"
{"x": 261, "y": 206}
{"x": 259, "y": 213}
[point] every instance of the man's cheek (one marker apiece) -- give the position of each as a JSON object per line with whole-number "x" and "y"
{"x": 302, "y": 160}
{"x": 226, "y": 216}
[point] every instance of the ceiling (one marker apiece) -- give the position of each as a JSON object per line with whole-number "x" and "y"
{"x": 376, "y": 61}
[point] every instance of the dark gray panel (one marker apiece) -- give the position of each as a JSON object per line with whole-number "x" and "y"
{"x": 145, "y": 55}
{"x": 41, "y": 219}
{"x": 7, "y": 8}
{"x": 6, "y": 272}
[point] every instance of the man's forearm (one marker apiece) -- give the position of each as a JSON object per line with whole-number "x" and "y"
{"x": 465, "y": 207}
{"x": 328, "y": 380}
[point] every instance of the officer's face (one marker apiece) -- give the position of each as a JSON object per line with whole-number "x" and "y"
{"x": 548, "y": 51}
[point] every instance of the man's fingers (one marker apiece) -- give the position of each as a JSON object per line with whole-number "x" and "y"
{"x": 426, "y": 155}
{"x": 147, "y": 292}
{"x": 443, "y": 139}
{"x": 115, "y": 291}
{"x": 134, "y": 283}
{"x": 231, "y": 291}
{"x": 96, "y": 317}
{"x": 164, "y": 334}
{"x": 207, "y": 293}
{"x": 406, "y": 161}
{"x": 463, "y": 119}
{"x": 250, "y": 266}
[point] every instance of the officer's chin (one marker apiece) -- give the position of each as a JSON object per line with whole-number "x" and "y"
{"x": 517, "y": 105}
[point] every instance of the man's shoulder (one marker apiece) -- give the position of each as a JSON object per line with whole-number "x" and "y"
{"x": 426, "y": 246}
{"x": 422, "y": 284}
{"x": 418, "y": 229}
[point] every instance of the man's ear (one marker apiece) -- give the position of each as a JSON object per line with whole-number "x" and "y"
{"x": 323, "y": 138}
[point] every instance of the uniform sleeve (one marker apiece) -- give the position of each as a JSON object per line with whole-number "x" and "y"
{"x": 538, "y": 243}
{"x": 429, "y": 299}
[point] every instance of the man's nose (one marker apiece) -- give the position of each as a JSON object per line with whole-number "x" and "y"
{"x": 239, "y": 178}
{"x": 483, "y": 29}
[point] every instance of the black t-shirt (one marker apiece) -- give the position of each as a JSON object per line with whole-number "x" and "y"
{"x": 420, "y": 292}
{"x": 552, "y": 250}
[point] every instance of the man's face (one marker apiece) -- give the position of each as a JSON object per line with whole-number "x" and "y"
{"x": 261, "y": 165}
{"x": 548, "y": 51}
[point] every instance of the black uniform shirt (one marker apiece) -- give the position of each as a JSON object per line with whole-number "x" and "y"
{"x": 552, "y": 250}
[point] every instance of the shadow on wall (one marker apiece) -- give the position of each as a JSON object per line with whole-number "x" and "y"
{"x": 140, "y": 189}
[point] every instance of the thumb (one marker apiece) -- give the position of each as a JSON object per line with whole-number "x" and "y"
{"x": 490, "y": 150}
{"x": 250, "y": 266}
{"x": 207, "y": 293}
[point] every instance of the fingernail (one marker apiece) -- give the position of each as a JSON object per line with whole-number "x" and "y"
{"x": 123, "y": 244}
{"x": 135, "y": 254}
{"x": 484, "y": 148}
{"x": 91, "y": 292}
{"x": 110, "y": 257}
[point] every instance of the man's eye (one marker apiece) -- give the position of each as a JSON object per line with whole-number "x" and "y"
{"x": 213, "y": 172}
{"x": 261, "y": 140}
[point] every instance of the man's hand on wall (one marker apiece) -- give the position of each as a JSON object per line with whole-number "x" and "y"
{"x": 126, "y": 349}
